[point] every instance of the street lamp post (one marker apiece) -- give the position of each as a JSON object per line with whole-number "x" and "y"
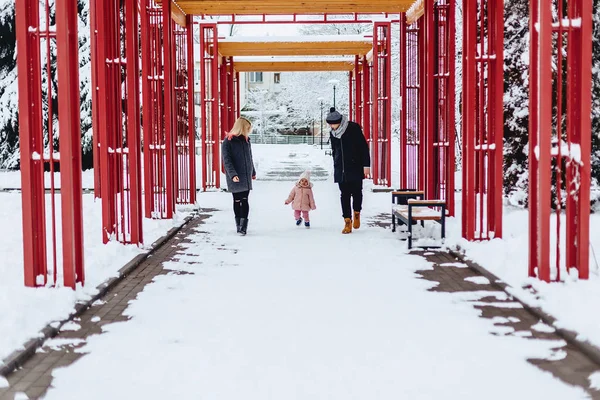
{"x": 321, "y": 108}
{"x": 334, "y": 83}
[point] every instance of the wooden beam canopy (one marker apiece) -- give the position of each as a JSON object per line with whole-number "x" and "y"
{"x": 289, "y": 64}
{"x": 245, "y": 7}
{"x": 322, "y": 45}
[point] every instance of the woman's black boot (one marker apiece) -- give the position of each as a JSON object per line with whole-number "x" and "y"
{"x": 237, "y": 224}
{"x": 243, "y": 226}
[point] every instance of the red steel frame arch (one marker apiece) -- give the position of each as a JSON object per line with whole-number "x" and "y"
{"x": 560, "y": 58}
{"x": 117, "y": 70}
{"x": 411, "y": 123}
{"x": 562, "y": 39}
{"x": 382, "y": 104}
{"x": 33, "y": 118}
{"x": 157, "y": 110}
{"x": 209, "y": 106}
{"x": 482, "y": 129}
{"x": 185, "y": 137}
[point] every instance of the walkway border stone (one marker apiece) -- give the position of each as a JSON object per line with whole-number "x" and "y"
{"x": 590, "y": 350}
{"x": 18, "y": 357}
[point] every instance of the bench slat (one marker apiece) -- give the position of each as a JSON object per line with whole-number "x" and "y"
{"x": 426, "y": 202}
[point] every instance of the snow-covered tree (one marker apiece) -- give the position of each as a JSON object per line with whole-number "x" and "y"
{"x": 9, "y": 134}
{"x": 9, "y": 127}
{"x": 596, "y": 96}
{"x": 516, "y": 97}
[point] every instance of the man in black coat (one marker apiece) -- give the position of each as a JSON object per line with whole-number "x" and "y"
{"x": 351, "y": 162}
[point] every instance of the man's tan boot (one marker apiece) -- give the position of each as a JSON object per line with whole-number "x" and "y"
{"x": 347, "y": 226}
{"x": 356, "y": 220}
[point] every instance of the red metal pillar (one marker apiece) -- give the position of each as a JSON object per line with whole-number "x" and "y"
{"x": 231, "y": 86}
{"x": 29, "y": 31}
{"x": 367, "y": 101}
{"x": 169, "y": 106}
{"x": 67, "y": 45}
{"x": 184, "y": 110}
{"x": 238, "y": 107}
{"x": 411, "y": 112}
{"x": 482, "y": 119}
{"x": 382, "y": 103}
{"x": 468, "y": 119}
{"x": 422, "y": 108}
{"x": 95, "y": 89}
{"x": 376, "y": 126}
{"x": 351, "y": 96}
{"x": 430, "y": 101}
{"x": 223, "y": 98}
{"x": 560, "y": 61}
{"x": 403, "y": 129}
{"x": 440, "y": 106}
{"x": 191, "y": 106}
{"x": 359, "y": 90}
{"x": 209, "y": 106}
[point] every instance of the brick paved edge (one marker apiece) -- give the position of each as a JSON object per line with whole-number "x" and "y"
{"x": 590, "y": 350}
{"x": 19, "y": 357}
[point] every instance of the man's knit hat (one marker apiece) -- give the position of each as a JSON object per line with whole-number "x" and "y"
{"x": 334, "y": 117}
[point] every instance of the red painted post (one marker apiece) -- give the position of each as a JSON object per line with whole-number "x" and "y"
{"x": 367, "y": 102}
{"x": 351, "y": 96}
{"x": 134, "y": 167}
{"x": 533, "y": 137}
{"x": 216, "y": 143}
{"x": 31, "y": 141}
{"x": 223, "y": 98}
{"x": 496, "y": 58}
{"x": 422, "y": 109}
{"x": 209, "y": 106}
{"x": 191, "y": 106}
{"x": 430, "y": 101}
{"x": 482, "y": 119}
{"x": 375, "y": 107}
{"x": 237, "y": 95}
{"x": 571, "y": 25}
{"x": 359, "y": 90}
{"x": 94, "y": 91}
{"x": 449, "y": 109}
{"x": 231, "y": 86}
{"x": 169, "y": 89}
{"x": 581, "y": 129}
{"x": 67, "y": 45}
{"x": 404, "y": 169}
{"x": 469, "y": 121}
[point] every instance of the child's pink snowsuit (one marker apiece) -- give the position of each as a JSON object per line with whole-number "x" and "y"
{"x": 302, "y": 198}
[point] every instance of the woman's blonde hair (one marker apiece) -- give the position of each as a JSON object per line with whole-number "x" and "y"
{"x": 241, "y": 127}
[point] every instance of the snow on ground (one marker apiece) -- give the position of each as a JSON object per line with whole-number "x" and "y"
{"x": 573, "y": 302}
{"x": 24, "y": 312}
{"x": 293, "y": 313}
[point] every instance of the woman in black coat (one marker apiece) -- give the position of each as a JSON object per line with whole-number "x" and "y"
{"x": 351, "y": 164}
{"x": 239, "y": 170}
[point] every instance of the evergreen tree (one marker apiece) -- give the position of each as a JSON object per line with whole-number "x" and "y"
{"x": 9, "y": 127}
{"x": 516, "y": 98}
{"x": 9, "y": 134}
{"x": 596, "y": 97}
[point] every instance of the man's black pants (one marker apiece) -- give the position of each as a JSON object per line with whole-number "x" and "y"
{"x": 351, "y": 190}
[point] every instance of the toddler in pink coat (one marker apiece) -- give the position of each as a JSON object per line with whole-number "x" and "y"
{"x": 302, "y": 199}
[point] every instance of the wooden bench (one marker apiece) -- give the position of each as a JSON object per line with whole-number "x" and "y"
{"x": 409, "y": 207}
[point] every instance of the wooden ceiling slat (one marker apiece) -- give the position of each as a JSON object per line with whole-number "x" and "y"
{"x": 315, "y": 48}
{"x": 293, "y": 66}
{"x": 244, "y": 7}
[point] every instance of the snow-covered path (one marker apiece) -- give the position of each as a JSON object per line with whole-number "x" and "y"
{"x": 294, "y": 313}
